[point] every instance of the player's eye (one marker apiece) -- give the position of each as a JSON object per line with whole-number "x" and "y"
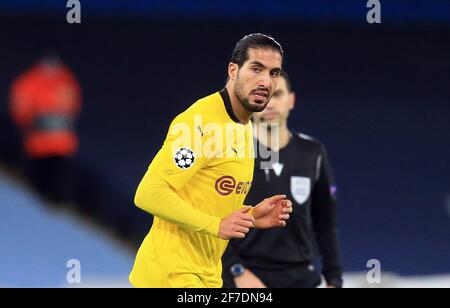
{"x": 275, "y": 74}
{"x": 256, "y": 69}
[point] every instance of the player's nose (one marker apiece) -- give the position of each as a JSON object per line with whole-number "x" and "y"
{"x": 265, "y": 81}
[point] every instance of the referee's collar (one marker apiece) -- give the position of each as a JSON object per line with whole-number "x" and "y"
{"x": 226, "y": 99}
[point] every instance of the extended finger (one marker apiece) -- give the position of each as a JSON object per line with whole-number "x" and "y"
{"x": 276, "y": 198}
{"x": 281, "y": 223}
{"x": 247, "y": 217}
{"x": 241, "y": 229}
{"x": 283, "y": 217}
{"x": 286, "y": 203}
{"x": 237, "y": 235}
{"x": 245, "y": 223}
{"x": 287, "y": 210}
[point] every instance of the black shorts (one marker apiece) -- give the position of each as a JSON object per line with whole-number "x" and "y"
{"x": 299, "y": 276}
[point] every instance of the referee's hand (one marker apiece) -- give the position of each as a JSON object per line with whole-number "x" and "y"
{"x": 236, "y": 225}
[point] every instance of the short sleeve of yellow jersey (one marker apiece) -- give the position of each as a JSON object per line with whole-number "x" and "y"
{"x": 181, "y": 154}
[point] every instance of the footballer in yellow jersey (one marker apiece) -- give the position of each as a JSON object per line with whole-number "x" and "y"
{"x": 196, "y": 185}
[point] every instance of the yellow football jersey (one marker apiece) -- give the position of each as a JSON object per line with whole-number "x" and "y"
{"x": 208, "y": 160}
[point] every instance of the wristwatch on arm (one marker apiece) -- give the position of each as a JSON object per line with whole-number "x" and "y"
{"x": 237, "y": 270}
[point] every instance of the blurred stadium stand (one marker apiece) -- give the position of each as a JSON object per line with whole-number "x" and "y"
{"x": 37, "y": 243}
{"x": 377, "y": 95}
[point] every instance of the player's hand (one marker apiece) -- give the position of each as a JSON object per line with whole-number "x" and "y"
{"x": 272, "y": 212}
{"x": 248, "y": 280}
{"x": 236, "y": 225}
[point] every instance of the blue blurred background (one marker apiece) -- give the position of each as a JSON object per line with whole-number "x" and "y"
{"x": 377, "y": 95}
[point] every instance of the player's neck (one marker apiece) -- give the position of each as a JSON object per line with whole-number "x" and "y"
{"x": 275, "y": 137}
{"x": 239, "y": 111}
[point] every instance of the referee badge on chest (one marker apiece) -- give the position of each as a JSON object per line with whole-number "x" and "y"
{"x": 300, "y": 188}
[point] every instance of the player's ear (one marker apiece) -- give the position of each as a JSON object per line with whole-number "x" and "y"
{"x": 232, "y": 71}
{"x": 292, "y": 98}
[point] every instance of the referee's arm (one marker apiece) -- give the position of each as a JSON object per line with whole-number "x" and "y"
{"x": 231, "y": 257}
{"x": 325, "y": 222}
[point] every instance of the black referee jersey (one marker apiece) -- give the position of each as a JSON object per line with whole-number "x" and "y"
{"x": 305, "y": 176}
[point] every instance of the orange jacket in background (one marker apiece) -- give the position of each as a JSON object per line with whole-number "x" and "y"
{"x": 45, "y": 102}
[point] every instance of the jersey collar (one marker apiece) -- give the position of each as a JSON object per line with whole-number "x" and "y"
{"x": 226, "y": 100}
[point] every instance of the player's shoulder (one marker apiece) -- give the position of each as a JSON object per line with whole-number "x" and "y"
{"x": 309, "y": 142}
{"x": 205, "y": 109}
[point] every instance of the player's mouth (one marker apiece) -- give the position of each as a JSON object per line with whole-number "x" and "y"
{"x": 260, "y": 95}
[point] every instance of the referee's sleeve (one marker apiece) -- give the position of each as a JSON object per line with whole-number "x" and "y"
{"x": 325, "y": 221}
{"x": 231, "y": 256}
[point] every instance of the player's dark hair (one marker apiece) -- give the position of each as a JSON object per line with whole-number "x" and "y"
{"x": 255, "y": 40}
{"x": 288, "y": 81}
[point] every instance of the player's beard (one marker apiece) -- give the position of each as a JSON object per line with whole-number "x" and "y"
{"x": 244, "y": 98}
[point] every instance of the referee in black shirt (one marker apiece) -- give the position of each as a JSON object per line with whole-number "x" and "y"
{"x": 283, "y": 258}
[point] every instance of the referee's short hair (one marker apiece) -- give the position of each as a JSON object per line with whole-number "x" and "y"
{"x": 255, "y": 40}
{"x": 288, "y": 81}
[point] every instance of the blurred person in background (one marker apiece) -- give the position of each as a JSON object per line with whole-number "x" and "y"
{"x": 45, "y": 101}
{"x": 284, "y": 257}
